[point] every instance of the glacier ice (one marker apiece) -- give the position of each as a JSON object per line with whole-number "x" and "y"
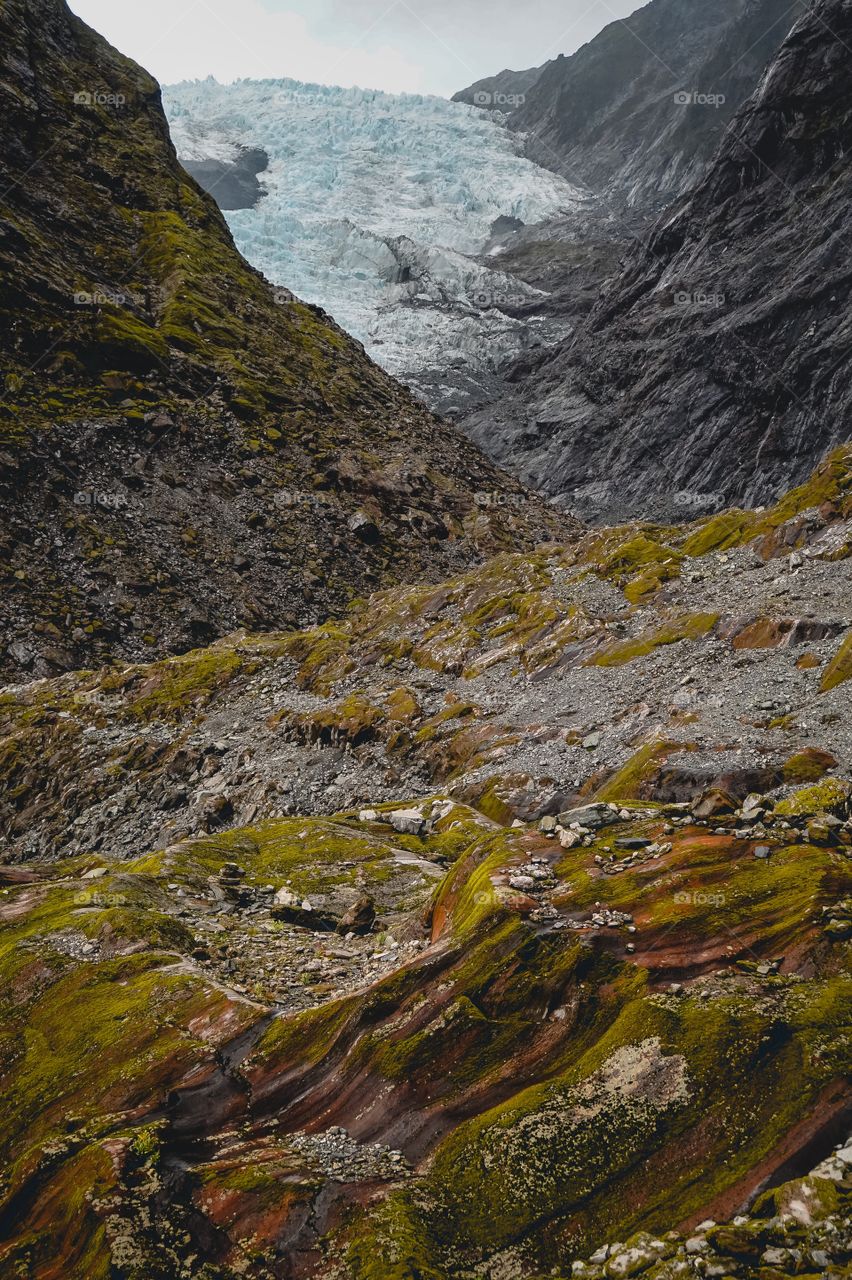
{"x": 377, "y": 208}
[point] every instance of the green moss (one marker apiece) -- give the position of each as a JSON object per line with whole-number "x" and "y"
{"x": 839, "y": 668}
{"x": 123, "y": 337}
{"x": 395, "y": 1243}
{"x": 690, "y": 627}
{"x": 720, "y": 533}
{"x": 304, "y": 1038}
{"x": 489, "y": 802}
{"x": 826, "y": 796}
{"x": 807, "y": 766}
{"x": 167, "y": 689}
{"x": 626, "y": 784}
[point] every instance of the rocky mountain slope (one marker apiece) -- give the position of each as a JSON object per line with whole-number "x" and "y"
{"x": 504, "y": 92}
{"x": 714, "y": 369}
{"x": 637, "y": 113}
{"x": 184, "y": 449}
{"x": 500, "y": 930}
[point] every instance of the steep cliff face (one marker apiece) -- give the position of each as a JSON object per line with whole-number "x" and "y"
{"x": 184, "y": 448}
{"x": 637, "y": 113}
{"x": 504, "y": 92}
{"x": 716, "y": 368}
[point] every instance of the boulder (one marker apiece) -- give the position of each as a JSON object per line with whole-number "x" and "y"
{"x": 593, "y": 816}
{"x": 409, "y": 822}
{"x": 359, "y": 918}
{"x": 714, "y": 803}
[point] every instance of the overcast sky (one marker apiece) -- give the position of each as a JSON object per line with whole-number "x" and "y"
{"x": 413, "y": 46}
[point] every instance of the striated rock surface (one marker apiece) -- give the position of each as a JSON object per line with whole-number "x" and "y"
{"x": 715, "y": 368}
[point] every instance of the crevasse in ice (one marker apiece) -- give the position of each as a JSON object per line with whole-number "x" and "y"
{"x": 375, "y": 206}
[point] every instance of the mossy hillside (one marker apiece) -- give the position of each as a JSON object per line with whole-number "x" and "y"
{"x": 640, "y": 558}
{"x": 264, "y": 428}
{"x": 482, "y": 1007}
{"x": 312, "y": 855}
{"x": 507, "y": 610}
{"x": 129, "y": 1034}
{"x": 571, "y": 1156}
{"x": 732, "y": 1034}
{"x": 829, "y": 488}
{"x": 397, "y": 1242}
{"x": 170, "y": 690}
{"x": 163, "y": 263}
{"x": 711, "y": 890}
{"x": 63, "y": 1223}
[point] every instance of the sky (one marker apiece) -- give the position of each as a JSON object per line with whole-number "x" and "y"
{"x": 402, "y": 46}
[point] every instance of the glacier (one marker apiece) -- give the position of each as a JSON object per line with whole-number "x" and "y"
{"x": 380, "y": 209}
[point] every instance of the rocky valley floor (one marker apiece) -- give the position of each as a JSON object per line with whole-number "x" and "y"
{"x": 497, "y": 930}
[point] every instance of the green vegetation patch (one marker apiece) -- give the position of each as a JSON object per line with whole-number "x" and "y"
{"x": 688, "y": 627}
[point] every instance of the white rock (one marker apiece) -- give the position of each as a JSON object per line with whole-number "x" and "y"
{"x": 408, "y": 822}
{"x": 521, "y": 882}
{"x": 286, "y": 898}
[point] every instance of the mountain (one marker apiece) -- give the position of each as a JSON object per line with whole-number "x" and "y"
{"x": 184, "y": 448}
{"x": 492, "y": 926}
{"x": 637, "y": 113}
{"x": 715, "y": 368}
{"x": 381, "y": 208}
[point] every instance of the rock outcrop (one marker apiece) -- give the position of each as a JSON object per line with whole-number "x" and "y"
{"x": 505, "y": 92}
{"x": 715, "y": 368}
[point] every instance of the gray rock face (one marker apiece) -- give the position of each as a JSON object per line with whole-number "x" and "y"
{"x": 233, "y": 185}
{"x": 715, "y": 370}
{"x": 638, "y": 112}
{"x": 504, "y": 92}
